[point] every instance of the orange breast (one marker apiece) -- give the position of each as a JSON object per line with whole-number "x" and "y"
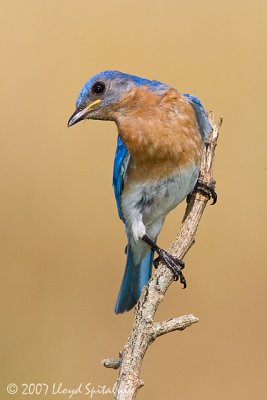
{"x": 160, "y": 131}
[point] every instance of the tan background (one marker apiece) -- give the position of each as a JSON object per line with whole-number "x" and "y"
{"x": 61, "y": 240}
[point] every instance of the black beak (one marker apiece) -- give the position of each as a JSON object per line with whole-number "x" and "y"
{"x": 77, "y": 116}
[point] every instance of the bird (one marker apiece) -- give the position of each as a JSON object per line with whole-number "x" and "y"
{"x": 161, "y": 134}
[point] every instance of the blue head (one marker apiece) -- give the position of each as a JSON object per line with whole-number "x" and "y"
{"x": 103, "y": 93}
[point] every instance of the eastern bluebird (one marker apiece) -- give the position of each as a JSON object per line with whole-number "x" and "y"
{"x": 160, "y": 139}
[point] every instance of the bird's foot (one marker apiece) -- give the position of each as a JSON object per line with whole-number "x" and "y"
{"x": 173, "y": 263}
{"x": 156, "y": 262}
{"x": 207, "y": 190}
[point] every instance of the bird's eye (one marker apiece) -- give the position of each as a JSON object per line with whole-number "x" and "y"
{"x": 98, "y": 87}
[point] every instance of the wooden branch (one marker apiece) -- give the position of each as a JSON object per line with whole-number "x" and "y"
{"x": 174, "y": 324}
{"x": 145, "y": 330}
{"x": 114, "y": 363}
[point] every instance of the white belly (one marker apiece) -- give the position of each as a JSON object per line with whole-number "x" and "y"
{"x": 145, "y": 205}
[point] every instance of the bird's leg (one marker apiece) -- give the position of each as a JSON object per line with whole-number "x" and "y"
{"x": 173, "y": 263}
{"x": 207, "y": 190}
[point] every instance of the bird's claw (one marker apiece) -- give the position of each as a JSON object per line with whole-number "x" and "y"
{"x": 207, "y": 190}
{"x": 173, "y": 263}
{"x": 156, "y": 262}
{"x": 126, "y": 249}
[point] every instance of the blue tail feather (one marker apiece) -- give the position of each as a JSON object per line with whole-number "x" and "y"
{"x": 134, "y": 279}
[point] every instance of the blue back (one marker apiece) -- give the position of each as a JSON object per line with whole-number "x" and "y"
{"x": 202, "y": 119}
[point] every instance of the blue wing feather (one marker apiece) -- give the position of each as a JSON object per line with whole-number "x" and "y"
{"x": 121, "y": 161}
{"x": 134, "y": 279}
{"x": 202, "y": 118}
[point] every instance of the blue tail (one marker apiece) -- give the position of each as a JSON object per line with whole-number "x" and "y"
{"x": 134, "y": 279}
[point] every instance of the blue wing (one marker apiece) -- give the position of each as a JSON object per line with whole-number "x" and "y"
{"x": 121, "y": 161}
{"x": 135, "y": 275}
{"x": 134, "y": 279}
{"x": 202, "y": 118}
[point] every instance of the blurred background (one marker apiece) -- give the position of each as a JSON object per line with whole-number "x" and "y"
{"x": 62, "y": 243}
